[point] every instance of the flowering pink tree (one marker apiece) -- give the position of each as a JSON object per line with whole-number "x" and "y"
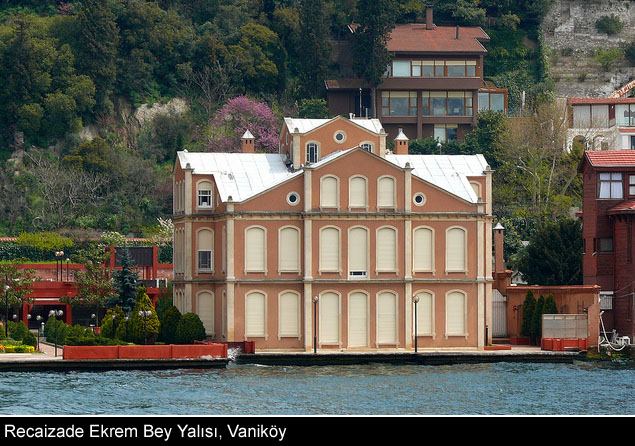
{"x": 238, "y": 115}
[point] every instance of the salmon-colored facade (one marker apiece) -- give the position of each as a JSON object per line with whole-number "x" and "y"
{"x": 329, "y": 254}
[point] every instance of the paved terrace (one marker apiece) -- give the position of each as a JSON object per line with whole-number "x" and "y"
{"x": 46, "y": 361}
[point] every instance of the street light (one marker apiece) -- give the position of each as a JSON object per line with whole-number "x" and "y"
{"x": 6, "y": 313}
{"x": 67, "y": 267}
{"x": 38, "y": 318}
{"x": 55, "y": 313}
{"x": 143, "y": 314}
{"x": 415, "y": 299}
{"x": 59, "y": 265}
{"x": 315, "y": 301}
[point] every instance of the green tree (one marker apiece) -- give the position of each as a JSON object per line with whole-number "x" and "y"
{"x": 550, "y": 305}
{"x": 169, "y": 322}
{"x": 315, "y": 55}
{"x": 189, "y": 329}
{"x": 144, "y": 329}
{"x": 109, "y": 325}
{"x": 529, "y": 305}
{"x": 125, "y": 281}
{"x": 554, "y": 254}
{"x": 536, "y": 322}
{"x": 376, "y": 19}
{"x": 313, "y": 108}
{"x": 15, "y": 286}
{"x": 94, "y": 288}
{"x": 44, "y": 241}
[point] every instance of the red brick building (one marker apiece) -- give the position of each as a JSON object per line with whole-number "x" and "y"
{"x": 608, "y": 210}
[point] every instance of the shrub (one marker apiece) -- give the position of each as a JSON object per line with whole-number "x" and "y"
{"x": 536, "y": 322}
{"x": 19, "y": 349}
{"x": 123, "y": 332}
{"x": 2, "y": 333}
{"x": 609, "y": 24}
{"x": 144, "y": 330}
{"x": 550, "y": 306}
{"x": 55, "y": 328}
{"x": 528, "y": 313}
{"x": 108, "y": 325}
{"x": 607, "y": 58}
{"x": 189, "y": 329}
{"x": 169, "y": 324}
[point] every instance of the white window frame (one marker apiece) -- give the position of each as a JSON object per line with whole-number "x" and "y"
{"x": 394, "y": 192}
{"x": 368, "y": 146}
{"x": 199, "y": 251}
{"x": 249, "y": 334}
{"x": 247, "y": 269}
{"x": 297, "y": 268}
{"x": 465, "y": 251}
{"x": 349, "y": 250}
{"x": 432, "y": 250}
{"x": 465, "y": 331}
{"x": 420, "y": 331}
{"x": 321, "y": 267}
{"x": 298, "y": 332}
{"x": 209, "y": 194}
{"x": 337, "y": 192}
{"x": 317, "y": 151}
{"x": 395, "y": 268}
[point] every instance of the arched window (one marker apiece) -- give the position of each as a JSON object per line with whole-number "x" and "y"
{"x": 289, "y": 314}
{"x": 329, "y": 309}
{"x": 329, "y": 192}
{"x": 312, "y": 152}
{"x": 289, "y": 249}
{"x": 456, "y": 250}
{"x": 477, "y": 189}
{"x": 386, "y": 192}
{"x": 386, "y": 247}
{"x": 330, "y": 250}
{"x": 368, "y": 146}
{"x": 255, "y": 249}
{"x": 423, "y": 249}
{"x": 357, "y": 253}
{"x": 205, "y": 248}
{"x": 205, "y": 194}
{"x": 425, "y": 313}
{"x": 387, "y": 318}
{"x": 358, "y": 310}
{"x": 455, "y": 313}
{"x": 357, "y": 196}
{"x": 255, "y": 314}
{"x": 205, "y": 310}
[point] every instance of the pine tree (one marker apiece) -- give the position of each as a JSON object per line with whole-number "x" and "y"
{"x": 536, "y": 322}
{"x": 125, "y": 281}
{"x": 528, "y": 313}
{"x": 315, "y": 56}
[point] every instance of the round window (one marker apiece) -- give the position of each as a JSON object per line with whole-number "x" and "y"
{"x": 293, "y": 198}
{"x": 339, "y": 136}
{"x": 419, "y": 199}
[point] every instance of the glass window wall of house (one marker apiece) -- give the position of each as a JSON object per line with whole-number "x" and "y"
{"x": 446, "y": 103}
{"x": 399, "y": 103}
{"x": 445, "y": 132}
{"x": 491, "y": 101}
{"x": 432, "y": 68}
{"x": 625, "y": 114}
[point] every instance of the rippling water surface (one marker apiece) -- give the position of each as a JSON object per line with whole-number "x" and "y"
{"x": 470, "y": 389}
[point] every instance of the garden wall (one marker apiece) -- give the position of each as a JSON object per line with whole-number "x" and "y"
{"x": 145, "y": 351}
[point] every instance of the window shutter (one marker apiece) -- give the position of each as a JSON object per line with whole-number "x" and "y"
{"x": 424, "y": 314}
{"x": 289, "y": 314}
{"x": 255, "y": 250}
{"x": 328, "y": 192}
{"x": 329, "y": 318}
{"x": 386, "y": 192}
{"x": 387, "y": 318}
{"x": 205, "y": 307}
{"x": 386, "y": 249}
{"x": 206, "y": 243}
{"x": 255, "y": 314}
{"x": 329, "y": 249}
{"x": 289, "y": 255}
{"x": 358, "y": 192}
{"x": 358, "y": 320}
{"x": 455, "y": 318}
{"x": 358, "y": 250}
{"x": 423, "y": 249}
{"x": 455, "y": 250}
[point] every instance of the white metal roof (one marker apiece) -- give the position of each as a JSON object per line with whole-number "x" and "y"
{"x": 239, "y": 175}
{"x": 305, "y": 125}
{"x": 243, "y": 175}
{"x": 448, "y": 172}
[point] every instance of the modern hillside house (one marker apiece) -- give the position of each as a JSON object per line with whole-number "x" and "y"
{"x": 608, "y": 214}
{"x": 434, "y": 86}
{"x": 327, "y": 244}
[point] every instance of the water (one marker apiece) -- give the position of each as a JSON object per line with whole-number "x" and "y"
{"x": 581, "y": 388}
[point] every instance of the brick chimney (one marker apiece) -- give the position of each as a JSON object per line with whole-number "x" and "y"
{"x": 429, "y": 17}
{"x": 248, "y": 141}
{"x": 499, "y": 261}
{"x": 401, "y": 143}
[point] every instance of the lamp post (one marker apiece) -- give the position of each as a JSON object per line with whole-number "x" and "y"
{"x": 144, "y": 314}
{"x": 59, "y": 265}
{"x": 415, "y": 299}
{"x": 38, "y": 318}
{"x": 6, "y": 310}
{"x": 315, "y": 301}
{"x": 55, "y": 313}
{"x": 67, "y": 267}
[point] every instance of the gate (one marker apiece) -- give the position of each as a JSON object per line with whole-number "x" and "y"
{"x": 499, "y": 315}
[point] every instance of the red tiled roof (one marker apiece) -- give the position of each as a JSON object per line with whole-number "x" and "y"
{"x": 611, "y": 158}
{"x": 627, "y": 130}
{"x": 344, "y": 83}
{"x": 585, "y": 101}
{"x": 624, "y": 207}
{"x": 415, "y": 37}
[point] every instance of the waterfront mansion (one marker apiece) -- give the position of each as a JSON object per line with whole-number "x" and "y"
{"x": 336, "y": 242}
